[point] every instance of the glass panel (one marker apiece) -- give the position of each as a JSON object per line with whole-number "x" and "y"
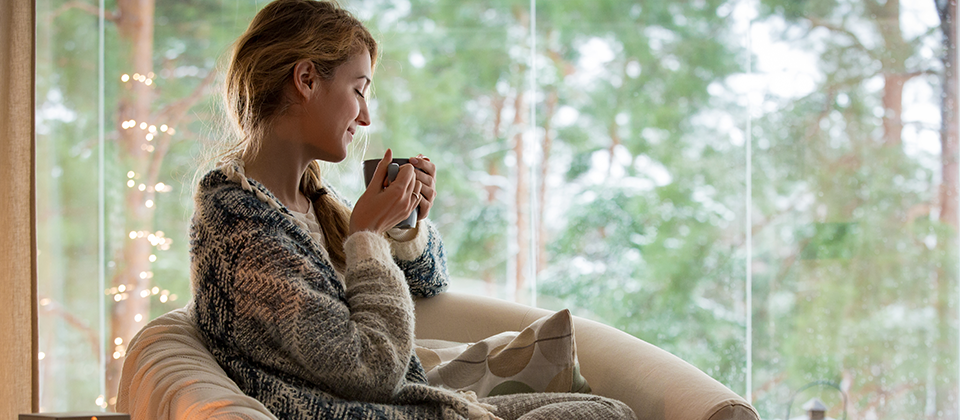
{"x": 67, "y": 210}
{"x": 653, "y": 125}
{"x": 157, "y": 82}
{"x": 452, "y": 84}
{"x": 642, "y": 209}
{"x": 855, "y": 264}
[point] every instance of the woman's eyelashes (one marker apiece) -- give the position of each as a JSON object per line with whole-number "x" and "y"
{"x": 360, "y": 93}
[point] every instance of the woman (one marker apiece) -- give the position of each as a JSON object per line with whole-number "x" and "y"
{"x": 304, "y": 303}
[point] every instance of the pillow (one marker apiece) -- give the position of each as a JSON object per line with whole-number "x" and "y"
{"x": 540, "y": 358}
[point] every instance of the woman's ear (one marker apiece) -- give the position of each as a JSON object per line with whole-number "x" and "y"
{"x": 305, "y": 78}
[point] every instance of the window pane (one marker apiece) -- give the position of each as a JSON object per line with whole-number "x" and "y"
{"x": 598, "y": 155}
{"x": 451, "y": 83}
{"x": 157, "y": 85}
{"x": 855, "y": 264}
{"x": 643, "y": 168}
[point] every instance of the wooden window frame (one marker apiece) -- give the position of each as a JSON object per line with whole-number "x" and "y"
{"x": 19, "y": 387}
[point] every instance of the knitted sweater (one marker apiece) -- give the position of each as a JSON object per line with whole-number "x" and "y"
{"x": 294, "y": 333}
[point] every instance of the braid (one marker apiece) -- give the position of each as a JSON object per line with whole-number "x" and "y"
{"x": 334, "y": 216}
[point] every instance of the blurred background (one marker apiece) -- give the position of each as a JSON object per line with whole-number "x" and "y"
{"x": 765, "y": 188}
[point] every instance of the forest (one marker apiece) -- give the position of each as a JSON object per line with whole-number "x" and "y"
{"x": 766, "y": 188}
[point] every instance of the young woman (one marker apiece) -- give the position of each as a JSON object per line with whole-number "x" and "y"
{"x": 305, "y": 303}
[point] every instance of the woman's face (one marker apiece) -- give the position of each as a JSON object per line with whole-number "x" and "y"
{"x": 337, "y": 108}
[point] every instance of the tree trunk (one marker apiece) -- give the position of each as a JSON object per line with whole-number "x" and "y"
{"x": 522, "y": 200}
{"x": 135, "y": 25}
{"x": 945, "y": 405}
{"x": 544, "y": 170}
{"x": 948, "y": 116}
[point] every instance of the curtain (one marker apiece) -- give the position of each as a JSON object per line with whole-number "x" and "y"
{"x": 18, "y": 290}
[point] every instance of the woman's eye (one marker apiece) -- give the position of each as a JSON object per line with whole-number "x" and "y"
{"x": 360, "y": 93}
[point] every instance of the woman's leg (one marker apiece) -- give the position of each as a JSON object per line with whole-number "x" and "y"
{"x": 553, "y": 406}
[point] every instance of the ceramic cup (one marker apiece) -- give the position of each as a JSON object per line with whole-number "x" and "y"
{"x": 370, "y": 166}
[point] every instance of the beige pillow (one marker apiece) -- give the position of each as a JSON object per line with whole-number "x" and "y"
{"x": 541, "y": 358}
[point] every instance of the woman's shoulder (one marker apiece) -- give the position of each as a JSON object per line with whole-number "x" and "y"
{"x": 220, "y": 193}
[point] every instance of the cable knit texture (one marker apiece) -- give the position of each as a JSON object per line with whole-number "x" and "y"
{"x": 291, "y": 331}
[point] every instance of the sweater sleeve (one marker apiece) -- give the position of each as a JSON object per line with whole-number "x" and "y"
{"x": 422, "y": 259}
{"x": 268, "y": 299}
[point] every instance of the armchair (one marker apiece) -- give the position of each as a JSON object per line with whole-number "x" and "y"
{"x": 169, "y": 374}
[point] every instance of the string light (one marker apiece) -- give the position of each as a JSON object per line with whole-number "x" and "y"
{"x": 150, "y": 131}
{"x": 146, "y": 79}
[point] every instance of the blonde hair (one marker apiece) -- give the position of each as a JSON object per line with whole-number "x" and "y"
{"x": 283, "y": 33}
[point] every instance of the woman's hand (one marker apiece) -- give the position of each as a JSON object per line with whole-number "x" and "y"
{"x": 427, "y": 177}
{"x": 381, "y": 208}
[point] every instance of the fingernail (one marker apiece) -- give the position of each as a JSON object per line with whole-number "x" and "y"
{"x": 414, "y": 160}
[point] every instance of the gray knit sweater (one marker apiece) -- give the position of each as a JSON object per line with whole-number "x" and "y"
{"x": 294, "y": 333}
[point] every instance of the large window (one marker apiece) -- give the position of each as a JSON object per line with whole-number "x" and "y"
{"x": 766, "y": 188}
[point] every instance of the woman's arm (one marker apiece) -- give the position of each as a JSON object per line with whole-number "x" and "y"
{"x": 267, "y": 300}
{"x": 422, "y": 259}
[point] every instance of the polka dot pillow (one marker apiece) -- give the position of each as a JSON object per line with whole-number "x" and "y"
{"x": 541, "y": 358}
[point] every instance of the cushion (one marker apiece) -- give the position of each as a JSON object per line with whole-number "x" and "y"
{"x": 540, "y": 358}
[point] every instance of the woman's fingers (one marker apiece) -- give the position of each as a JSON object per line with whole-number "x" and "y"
{"x": 380, "y": 174}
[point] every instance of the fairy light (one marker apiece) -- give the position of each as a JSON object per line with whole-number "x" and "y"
{"x": 150, "y": 130}
{"x": 41, "y": 355}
